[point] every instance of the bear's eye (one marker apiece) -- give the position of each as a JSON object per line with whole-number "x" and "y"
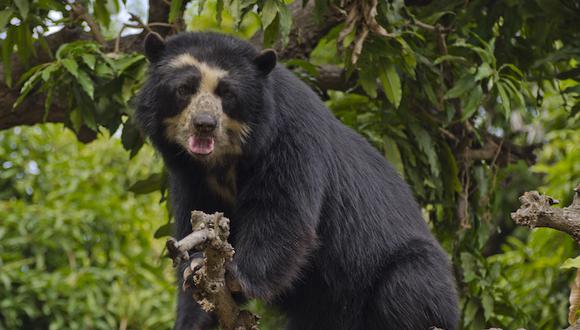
{"x": 183, "y": 90}
{"x": 225, "y": 92}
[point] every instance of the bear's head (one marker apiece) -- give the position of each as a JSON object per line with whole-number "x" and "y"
{"x": 206, "y": 97}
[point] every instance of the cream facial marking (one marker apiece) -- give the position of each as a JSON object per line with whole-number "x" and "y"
{"x": 228, "y": 136}
{"x": 210, "y": 76}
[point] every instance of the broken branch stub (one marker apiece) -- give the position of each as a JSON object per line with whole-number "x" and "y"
{"x": 212, "y": 291}
{"x": 537, "y": 211}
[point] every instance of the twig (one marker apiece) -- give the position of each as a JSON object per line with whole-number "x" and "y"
{"x": 362, "y": 18}
{"x": 424, "y": 26}
{"x": 138, "y": 20}
{"x": 448, "y": 134}
{"x": 81, "y": 12}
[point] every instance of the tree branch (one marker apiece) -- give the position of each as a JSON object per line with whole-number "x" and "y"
{"x": 80, "y": 11}
{"x": 211, "y": 291}
{"x": 304, "y": 35}
{"x": 501, "y": 151}
{"x": 159, "y": 13}
{"x": 32, "y": 111}
{"x": 537, "y": 211}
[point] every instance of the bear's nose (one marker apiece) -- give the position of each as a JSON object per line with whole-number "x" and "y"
{"x": 204, "y": 123}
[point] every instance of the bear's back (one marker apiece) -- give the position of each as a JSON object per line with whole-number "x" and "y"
{"x": 361, "y": 185}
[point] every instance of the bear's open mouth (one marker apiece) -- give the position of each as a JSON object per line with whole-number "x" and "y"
{"x": 200, "y": 145}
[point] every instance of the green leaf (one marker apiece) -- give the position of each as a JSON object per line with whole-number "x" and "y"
{"x": 5, "y": 16}
{"x": 164, "y": 230}
{"x": 513, "y": 68}
{"x": 272, "y": 32}
{"x": 175, "y": 10}
{"x": 103, "y": 70}
{"x": 76, "y": 119}
{"x": 86, "y": 83}
{"x": 393, "y": 155}
{"x": 461, "y": 87}
{"x": 269, "y": 12}
{"x": 71, "y": 66}
{"x": 571, "y": 263}
{"x": 219, "y": 11}
{"x": 122, "y": 64}
{"x": 473, "y": 101}
{"x": 391, "y": 84}
{"x": 426, "y": 145}
{"x": 235, "y": 8}
{"x": 368, "y": 82}
{"x": 24, "y": 42}
{"x": 88, "y": 114}
{"x": 90, "y": 60}
{"x": 437, "y": 15}
{"x": 449, "y": 58}
{"x": 470, "y": 311}
{"x": 24, "y": 77}
{"x": 23, "y": 7}
{"x": 483, "y": 71}
{"x": 49, "y": 70}
{"x": 307, "y": 66}
{"x": 450, "y": 176}
{"x": 131, "y": 138}
{"x": 47, "y": 103}
{"x": 487, "y": 303}
{"x": 29, "y": 84}
{"x": 484, "y": 54}
{"x": 505, "y": 100}
{"x": 430, "y": 92}
{"x": 101, "y": 13}
{"x": 575, "y": 110}
{"x": 285, "y": 17}
{"x": 517, "y": 96}
{"x": 573, "y": 89}
{"x": 148, "y": 185}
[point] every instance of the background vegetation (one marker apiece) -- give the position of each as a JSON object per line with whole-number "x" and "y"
{"x": 474, "y": 102}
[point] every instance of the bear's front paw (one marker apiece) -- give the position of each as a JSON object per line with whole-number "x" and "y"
{"x": 193, "y": 272}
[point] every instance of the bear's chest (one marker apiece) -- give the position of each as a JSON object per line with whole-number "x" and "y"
{"x": 222, "y": 184}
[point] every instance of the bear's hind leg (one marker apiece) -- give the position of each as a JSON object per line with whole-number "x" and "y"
{"x": 416, "y": 292}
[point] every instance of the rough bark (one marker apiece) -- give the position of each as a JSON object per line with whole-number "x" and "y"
{"x": 304, "y": 35}
{"x": 537, "y": 211}
{"x": 212, "y": 291}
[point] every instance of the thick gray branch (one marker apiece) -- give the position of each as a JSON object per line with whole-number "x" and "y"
{"x": 212, "y": 290}
{"x": 305, "y": 34}
{"x": 537, "y": 211}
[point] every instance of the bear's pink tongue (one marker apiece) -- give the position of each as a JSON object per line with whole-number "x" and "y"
{"x": 200, "y": 145}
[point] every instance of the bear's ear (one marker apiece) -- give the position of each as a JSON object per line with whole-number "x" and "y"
{"x": 266, "y": 61}
{"x": 154, "y": 46}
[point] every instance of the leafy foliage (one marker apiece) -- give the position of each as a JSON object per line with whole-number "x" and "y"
{"x": 96, "y": 87}
{"x": 76, "y": 249}
{"x": 439, "y": 84}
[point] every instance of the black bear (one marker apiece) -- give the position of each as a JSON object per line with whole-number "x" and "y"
{"x": 323, "y": 227}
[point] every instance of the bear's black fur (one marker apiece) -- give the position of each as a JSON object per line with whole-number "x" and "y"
{"x": 322, "y": 225}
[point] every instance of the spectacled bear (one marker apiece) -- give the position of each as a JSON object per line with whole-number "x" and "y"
{"x": 323, "y": 227}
